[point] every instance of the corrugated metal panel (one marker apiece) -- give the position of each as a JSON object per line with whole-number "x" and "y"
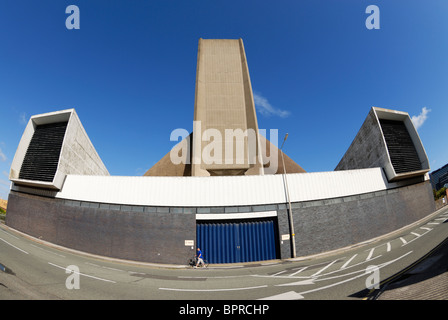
{"x": 222, "y": 191}
{"x": 237, "y": 241}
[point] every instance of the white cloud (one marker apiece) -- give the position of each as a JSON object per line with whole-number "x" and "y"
{"x": 2, "y": 156}
{"x": 421, "y": 118}
{"x": 265, "y": 108}
{"x": 22, "y": 118}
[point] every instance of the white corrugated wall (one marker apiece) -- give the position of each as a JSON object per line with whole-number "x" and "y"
{"x": 221, "y": 191}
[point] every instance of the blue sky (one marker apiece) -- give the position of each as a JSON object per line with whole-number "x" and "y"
{"x": 130, "y": 70}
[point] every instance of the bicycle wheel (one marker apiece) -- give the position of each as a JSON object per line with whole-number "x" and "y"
{"x": 191, "y": 262}
{"x": 205, "y": 263}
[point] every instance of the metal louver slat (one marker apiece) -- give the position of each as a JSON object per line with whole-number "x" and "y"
{"x": 403, "y": 155}
{"x": 42, "y": 156}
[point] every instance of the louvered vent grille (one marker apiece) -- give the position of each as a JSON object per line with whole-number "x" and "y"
{"x": 42, "y": 157}
{"x": 403, "y": 154}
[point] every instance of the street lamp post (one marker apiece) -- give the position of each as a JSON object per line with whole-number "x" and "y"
{"x": 291, "y": 223}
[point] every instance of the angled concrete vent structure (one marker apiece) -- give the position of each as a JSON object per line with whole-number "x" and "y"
{"x": 387, "y": 139}
{"x": 53, "y": 145}
{"x": 165, "y": 167}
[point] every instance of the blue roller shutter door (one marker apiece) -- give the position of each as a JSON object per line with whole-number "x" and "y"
{"x": 242, "y": 241}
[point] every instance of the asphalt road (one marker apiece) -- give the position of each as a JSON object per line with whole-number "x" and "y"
{"x": 32, "y": 269}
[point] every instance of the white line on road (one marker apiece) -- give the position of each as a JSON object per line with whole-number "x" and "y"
{"x": 269, "y": 263}
{"x": 417, "y": 236}
{"x": 298, "y": 283}
{"x": 324, "y": 268}
{"x": 13, "y": 246}
{"x": 298, "y": 271}
{"x": 348, "y": 261}
{"x": 353, "y": 278}
{"x": 404, "y": 241}
{"x": 103, "y": 267}
{"x": 325, "y": 274}
{"x": 212, "y": 290}
{"x": 224, "y": 267}
{"x": 388, "y": 247}
{"x": 370, "y": 254}
{"x": 290, "y": 295}
{"x": 280, "y": 272}
{"x": 83, "y": 274}
{"x": 60, "y": 255}
{"x": 9, "y": 234}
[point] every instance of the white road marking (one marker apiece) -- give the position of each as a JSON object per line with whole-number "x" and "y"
{"x": 300, "y": 270}
{"x": 320, "y": 279}
{"x": 269, "y": 263}
{"x": 224, "y": 267}
{"x": 363, "y": 274}
{"x": 370, "y": 254}
{"x": 417, "y": 236}
{"x": 60, "y": 255}
{"x": 298, "y": 283}
{"x": 9, "y": 234}
{"x": 276, "y": 274}
{"x": 348, "y": 261}
{"x": 207, "y": 277}
{"x": 404, "y": 241}
{"x": 290, "y": 295}
{"x": 13, "y": 246}
{"x": 83, "y": 274}
{"x": 213, "y": 290}
{"x": 388, "y": 247}
{"x": 324, "y": 268}
{"x": 103, "y": 267}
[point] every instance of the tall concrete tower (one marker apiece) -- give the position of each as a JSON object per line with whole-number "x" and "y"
{"x": 225, "y": 139}
{"x": 224, "y": 108}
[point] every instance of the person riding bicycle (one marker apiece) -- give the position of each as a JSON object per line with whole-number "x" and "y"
{"x": 199, "y": 258}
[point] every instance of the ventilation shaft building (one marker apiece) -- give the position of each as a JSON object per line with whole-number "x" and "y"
{"x": 235, "y": 210}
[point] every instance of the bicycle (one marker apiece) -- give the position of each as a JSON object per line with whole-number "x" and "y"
{"x": 192, "y": 263}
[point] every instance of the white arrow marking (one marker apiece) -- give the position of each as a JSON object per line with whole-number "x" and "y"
{"x": 290, "y": 295}
{"x": 298, "y": 283}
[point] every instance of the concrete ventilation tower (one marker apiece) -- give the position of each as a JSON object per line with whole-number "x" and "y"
{"x": 225, "y": 139}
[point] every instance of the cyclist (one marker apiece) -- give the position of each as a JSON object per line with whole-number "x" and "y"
{"x": 199, "y": 260}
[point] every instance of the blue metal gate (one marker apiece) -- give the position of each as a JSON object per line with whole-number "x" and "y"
{"x": 242, "y": 241}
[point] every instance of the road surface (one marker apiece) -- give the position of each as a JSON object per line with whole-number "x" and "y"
{"x": 32, "y": 269}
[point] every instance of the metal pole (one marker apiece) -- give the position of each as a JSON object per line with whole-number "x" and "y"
{"x": 291, "y": 222}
